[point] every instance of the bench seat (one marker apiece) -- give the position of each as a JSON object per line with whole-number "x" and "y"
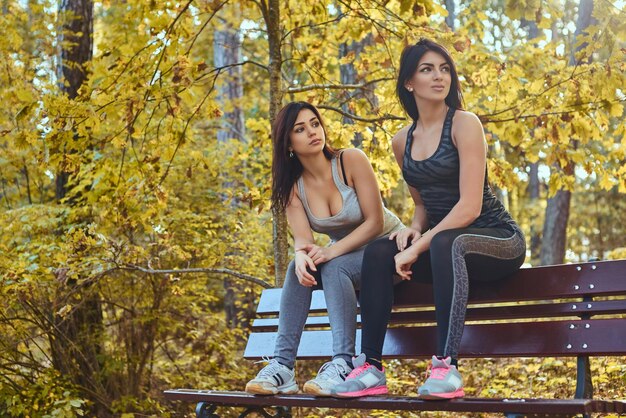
{"x": 402, "y": 403}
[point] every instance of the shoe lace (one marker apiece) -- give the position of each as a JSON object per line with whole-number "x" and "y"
{"x": 438, "y": 373}
{"x": 359, "y": 370}
{"x": 332, "y": 370}
{"x": 273, "y": 366}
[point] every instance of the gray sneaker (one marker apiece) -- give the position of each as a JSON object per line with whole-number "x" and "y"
{"x": 444, "y": 382}
{"x": 330, "y": 375}
{"x": 272, "y": 379}
{"x": 364, "y": 380}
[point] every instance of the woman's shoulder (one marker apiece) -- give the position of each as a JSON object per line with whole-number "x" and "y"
{"x": 467, "y": 129}
{"x": 401, "y": 135}
{"x": 464, "y": 119}
{"x": 353, "y": 155}
{"x": 398, "y": 142}
{"x": 356, "y": 163}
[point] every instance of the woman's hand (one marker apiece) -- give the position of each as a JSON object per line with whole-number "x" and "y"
{"x": 303, "y": 261}
{"x": 404, "y": 260}
{"x": 318, "y": 254}
{"x": 405, "y": 237}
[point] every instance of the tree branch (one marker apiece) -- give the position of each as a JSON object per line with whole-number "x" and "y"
{"x": 542, "y": 93}
{"x": 264, "y": 8}
{"x": 148, "y": 45}
{"x": 225, "y": 271}
{"x": 335, "y": 86}
{"x": 195, "y": 37}
{"x": 360, "y": 119}
{"x": 225, "y": 67}
{"x": 182, "y": 135}
{"x": 363, "y": 14}
{"x": 311, "y": 26}
{"x": 489, "y": 118}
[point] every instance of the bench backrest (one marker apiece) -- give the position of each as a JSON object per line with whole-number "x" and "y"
{"x": 562, "y": 310}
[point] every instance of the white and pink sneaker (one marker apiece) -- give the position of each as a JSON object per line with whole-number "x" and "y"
{"x": 364, "y": 380}
{"x": 444, "y": 382}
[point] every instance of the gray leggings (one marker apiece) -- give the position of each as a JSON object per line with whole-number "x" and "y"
{"x": 339, "y": 278}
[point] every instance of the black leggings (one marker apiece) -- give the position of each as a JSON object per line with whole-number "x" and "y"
{"x": 456, "y": 257}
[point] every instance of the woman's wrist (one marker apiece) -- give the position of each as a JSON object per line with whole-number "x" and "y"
{"x": 332, "y": 251}
{"x": 415, "y": 247}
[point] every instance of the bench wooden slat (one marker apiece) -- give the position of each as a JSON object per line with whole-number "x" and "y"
{"x": 569, "y": 406}
{"x": 543, "y": 310}
{"x": 602, "y": 278}
{"x": 518, "y": 339}
{"x": 619, "y": 406}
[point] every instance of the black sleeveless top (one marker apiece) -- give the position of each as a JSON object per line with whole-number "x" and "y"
{"x": 437, "y": 181}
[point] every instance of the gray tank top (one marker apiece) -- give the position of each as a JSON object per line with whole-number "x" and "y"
{"x": 349, "y": 217}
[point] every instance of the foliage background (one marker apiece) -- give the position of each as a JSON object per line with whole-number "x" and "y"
{"x": 98, "y": 315}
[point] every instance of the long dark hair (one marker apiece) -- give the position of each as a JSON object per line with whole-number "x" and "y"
{"x": 411, "y": 56}
{"x": 285, "y": 169}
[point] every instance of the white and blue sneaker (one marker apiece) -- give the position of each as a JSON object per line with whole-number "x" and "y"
{"x": 330, "y": 375}
{"x": 273, "y": 379}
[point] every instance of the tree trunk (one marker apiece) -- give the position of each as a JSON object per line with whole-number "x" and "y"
{"x": 271, "y": 15}
{"x": 227, "y": 51}
{"x": 76, "y": 337}
{"x": 27, "y": 178}
{"x": 554, "y": 239}
{"x": 75, "y": 45}
{"x": 450, "y": 7}
{"x": 555, "y": 227}
{"x": 533, "y": 192}
{"x": 533, "y": 175}
{"x": 585, "y": 9}
{"x": 349, "y": 75}
{"x": 599, "y": 242}
{"x": 531, "y": 27}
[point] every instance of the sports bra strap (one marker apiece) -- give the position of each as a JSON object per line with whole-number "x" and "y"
{"x": 343, "y": 170}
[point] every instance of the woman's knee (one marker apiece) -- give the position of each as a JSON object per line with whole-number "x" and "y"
{"x": 378, "y": 262}
{"x": 341, "y": 272}
{"x": 336, "y": 264}
{"x": 442, "y": 241}
{"x": 291, "y": 270}
{"x": 290, "y": 276}
{"x": 381, "y": 250}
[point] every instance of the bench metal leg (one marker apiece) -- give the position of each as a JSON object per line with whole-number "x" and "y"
{"x": 281, "y": 412}
{"x": 542, "y": 415}
{"x": 206, "y": 410}
{"x": 584, "y": 385}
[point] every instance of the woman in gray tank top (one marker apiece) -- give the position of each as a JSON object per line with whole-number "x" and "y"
{"x": 333, "y": 193}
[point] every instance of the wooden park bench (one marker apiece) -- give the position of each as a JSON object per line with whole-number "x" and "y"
{"x": 573, "y": 310}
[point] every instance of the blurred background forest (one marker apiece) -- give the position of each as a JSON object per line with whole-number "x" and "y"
{"x": 135, "y": 228}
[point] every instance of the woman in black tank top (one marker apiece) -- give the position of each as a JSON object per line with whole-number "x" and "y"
{"x": 459, "y": 232}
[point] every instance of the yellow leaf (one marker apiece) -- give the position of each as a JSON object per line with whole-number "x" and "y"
{"x": 605, "y": 182}
{"x": 118, "y": 142}
{"x": 64, "y": 310}
{"x": 617, "y": 110}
